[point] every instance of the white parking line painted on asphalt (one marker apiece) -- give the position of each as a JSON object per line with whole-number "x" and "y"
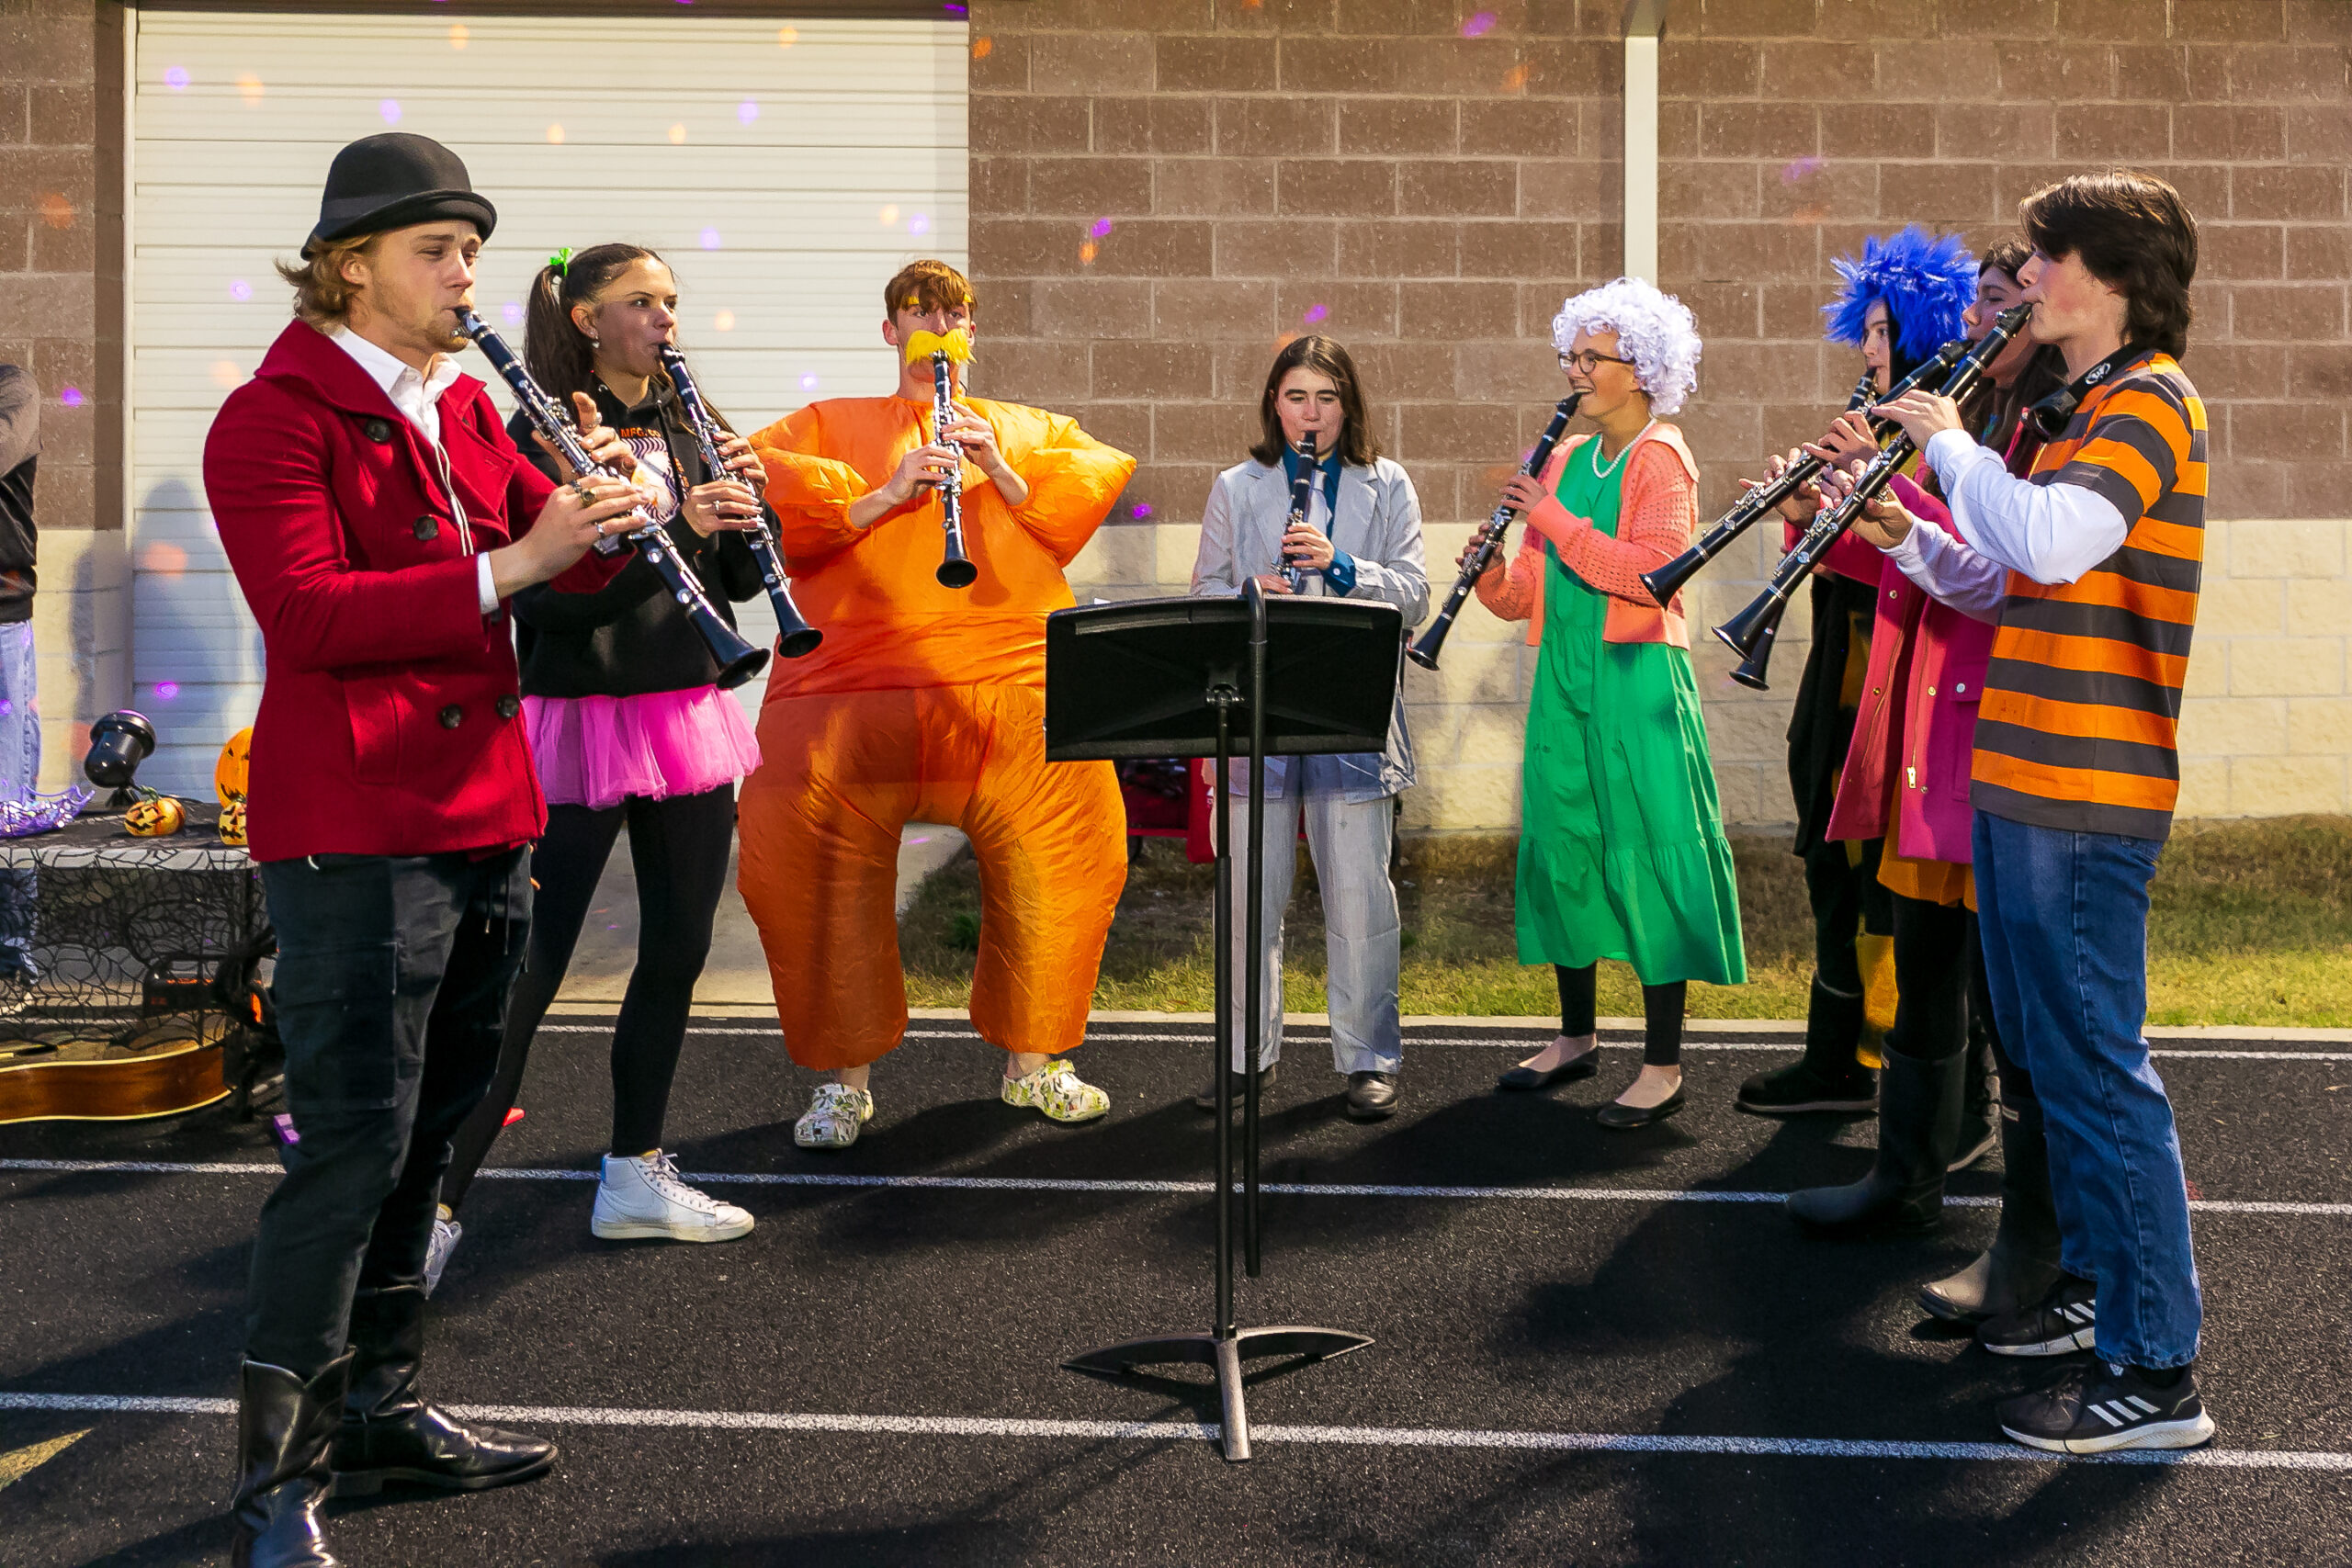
{"x": 528, "y": 1415}
{"x": 1490, "y": 1042}
{"x": 1078, "y": 1184}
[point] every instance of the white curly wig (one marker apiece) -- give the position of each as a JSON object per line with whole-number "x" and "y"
{"x": 1655, "y": 330}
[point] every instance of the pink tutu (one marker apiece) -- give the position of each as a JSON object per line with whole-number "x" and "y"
{"x": 597, "y": 751}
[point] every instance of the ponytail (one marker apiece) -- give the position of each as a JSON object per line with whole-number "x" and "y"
{"x": 557, "y": 352}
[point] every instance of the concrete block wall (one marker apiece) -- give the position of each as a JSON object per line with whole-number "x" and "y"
{"x": 1162, "y": 189}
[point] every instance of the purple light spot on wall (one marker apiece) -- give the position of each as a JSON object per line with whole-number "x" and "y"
{"x": 512, "y": 313}
{"x": 167, "y": 690}
{"x": 1799, "y": 169}
{"x": 1315, "y": 313}
{"x": 809, "y": 382}
{"x": 391, "y": 109}
{"x": 710, "y": 239}
{"x": 746, "y": 112}
{"x": 1102, "y": 227}
{"x": 6, "y": 708}
{"x": 176, "y": 78}
{"x": 918, "y": 224}
{"x": 1143, "y": 510}
{"x": 1479, "y": 25}
{"x": 71, "y": 397}
{"x": 240, "y": 291}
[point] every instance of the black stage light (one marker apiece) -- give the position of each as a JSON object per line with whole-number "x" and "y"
{"x": 118, "y": 743}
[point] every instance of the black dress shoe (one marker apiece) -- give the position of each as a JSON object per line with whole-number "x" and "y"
{"x": 1372, "y": 1097}
{"x": 1206, "y": 1098}
{"x": 389, "y": 1433}
{"x": 1622, "y": 1117}
{"x": 1574, "y": 1067}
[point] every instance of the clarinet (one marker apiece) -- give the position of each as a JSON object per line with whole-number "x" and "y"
{"x": 1302, "y": 502}
{"x": 1664, "y": 583}
{"x": 1751, "y": 633}
{"x": 956, "y": 570}
{"x": 738, "y": 660}
{"x": 1490, "y": 538}
{"x": 796, "y": 635}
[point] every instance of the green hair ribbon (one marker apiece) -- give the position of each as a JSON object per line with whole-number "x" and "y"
{"x": 560, "y": 262}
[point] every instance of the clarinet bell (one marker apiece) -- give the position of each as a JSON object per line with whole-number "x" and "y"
{"x": 737, "y": 660}
{"x": 798, "y": 642}
{"x": 1750, "y": 634}
{"x": 957, "y": 571}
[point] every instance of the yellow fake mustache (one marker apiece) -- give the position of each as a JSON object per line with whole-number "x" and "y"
{"x": 957, "y": 345}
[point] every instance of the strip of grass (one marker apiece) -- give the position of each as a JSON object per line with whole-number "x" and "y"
{"x": 2252, "y": 924}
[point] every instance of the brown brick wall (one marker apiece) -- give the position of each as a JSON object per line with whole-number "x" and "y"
{"x": 60, "y": 244}
{"x": 1436, "y": 194}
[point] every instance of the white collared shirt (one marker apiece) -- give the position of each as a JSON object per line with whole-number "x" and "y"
{"x": 418, "y": 397}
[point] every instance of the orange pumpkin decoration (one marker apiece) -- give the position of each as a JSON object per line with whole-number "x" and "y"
{"x": 229, "y": 774}
{"x": 232, "y": 824}
{"x": 154, "y": 817}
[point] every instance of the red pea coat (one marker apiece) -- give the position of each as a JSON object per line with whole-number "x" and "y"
{"x": 390, "y": 712}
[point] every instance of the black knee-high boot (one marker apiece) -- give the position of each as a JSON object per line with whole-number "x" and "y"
{"x": 389, "y": 1433}
{"x": 2023, "y": 1261}
{"x": 285, "y": 1427}
{"x": 1829, "y": 1078}
{"x": 1918, "y": 1117}
{"x": 1980, "y": 1106}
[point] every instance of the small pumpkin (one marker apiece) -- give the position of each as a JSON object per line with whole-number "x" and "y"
{"x": 154, "y": 817}
{"x": 229, "y": 774}
{"x": 232, "y": 823}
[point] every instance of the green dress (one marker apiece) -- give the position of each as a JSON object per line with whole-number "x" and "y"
{"x": 1621, "y": 849}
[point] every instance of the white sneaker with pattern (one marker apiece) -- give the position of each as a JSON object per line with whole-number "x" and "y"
{"x": 1058, "y": 1091}
{"x": 641, "y": 1198}
{"x": 834, "y": 1118}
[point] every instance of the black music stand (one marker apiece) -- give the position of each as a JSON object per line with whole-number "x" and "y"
{"x": 1160, "y": 678}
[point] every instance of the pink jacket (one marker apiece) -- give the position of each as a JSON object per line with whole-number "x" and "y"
{"x": 1925, "y": 733}
{"x": 1653, "y": 525}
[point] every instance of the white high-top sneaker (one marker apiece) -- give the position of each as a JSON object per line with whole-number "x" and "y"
{"x": 641, "y": 1197}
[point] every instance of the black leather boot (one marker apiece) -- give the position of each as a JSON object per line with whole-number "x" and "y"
{"x": 284, "y": 1428}
{"x": 1918, "y": 1117}
{"x": 389, "y": 1433}
{"x": 2023, "y": 1262}
{"x": 1979, "y": 1104}
{"x": 1829, "y": 1078}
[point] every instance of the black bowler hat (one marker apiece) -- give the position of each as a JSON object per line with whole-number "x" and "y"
{"x": 392, "y": 181}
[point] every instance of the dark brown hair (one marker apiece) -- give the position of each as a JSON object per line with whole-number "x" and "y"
{"x": 322, "y": 294}
{"x": 1993, "y": 411}
{"x": 925, "y": 285}
{"x": 2134, "y": 234}
{"x": 1325, "y": 356}
{"x": 558, "y": 353}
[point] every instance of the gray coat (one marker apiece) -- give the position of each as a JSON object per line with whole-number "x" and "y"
{"x": 1377, "y": 522}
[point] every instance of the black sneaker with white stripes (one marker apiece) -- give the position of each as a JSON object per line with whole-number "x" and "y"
{"x": 2062, "y": 1320}
{"x": 2098, "y": 1409}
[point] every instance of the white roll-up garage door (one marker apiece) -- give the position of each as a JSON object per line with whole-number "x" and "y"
{"x": 785, "y": 170}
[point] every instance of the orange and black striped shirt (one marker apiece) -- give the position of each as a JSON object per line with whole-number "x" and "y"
{"x": 2079, "y": 729}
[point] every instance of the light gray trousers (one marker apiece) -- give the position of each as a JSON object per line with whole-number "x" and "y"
{"x": 1350, "y": 843}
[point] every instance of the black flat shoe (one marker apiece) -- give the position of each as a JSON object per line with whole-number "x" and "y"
{"x": 1372, "y": 1097}
{"x": 1574, "y": 1067}
{"x": 1206, "y": 1098}
{"x": 1625, "y": 1117}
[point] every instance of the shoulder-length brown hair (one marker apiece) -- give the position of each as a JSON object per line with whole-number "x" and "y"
{"x": 1325, "y": 356}
{"x": 2135, "y": 234}
{"x": 322, "y": 294}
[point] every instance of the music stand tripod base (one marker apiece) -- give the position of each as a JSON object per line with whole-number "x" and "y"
{"x": 1227, "y": 1356}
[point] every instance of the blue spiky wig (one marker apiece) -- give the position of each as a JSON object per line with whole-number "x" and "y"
{"x": 1927, "y": 280}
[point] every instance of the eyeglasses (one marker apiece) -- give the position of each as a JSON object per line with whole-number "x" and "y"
{"x": 1586, "y": 361}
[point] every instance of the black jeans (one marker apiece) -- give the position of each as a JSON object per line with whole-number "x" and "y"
{"x": 678, "y": 847}
{"x": 1847, "y": 898}
{"x": 392, "y": 974}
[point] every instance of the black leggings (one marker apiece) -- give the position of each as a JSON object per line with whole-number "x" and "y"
{"x": 1842, "y": 885}
{"x": 679, "y": 849}
{"x": 1661, "y": 1013}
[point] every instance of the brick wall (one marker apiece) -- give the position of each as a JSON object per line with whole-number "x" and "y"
{"x": 1427, "y": 178}
{"x": 60, "y": 316}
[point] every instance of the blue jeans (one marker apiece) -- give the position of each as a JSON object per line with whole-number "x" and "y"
{"x": 2064, "y": 918}
{"x": 19, "y": 776}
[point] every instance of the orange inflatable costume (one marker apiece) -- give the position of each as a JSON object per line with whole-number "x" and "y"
{"x": 926, "y": 704}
